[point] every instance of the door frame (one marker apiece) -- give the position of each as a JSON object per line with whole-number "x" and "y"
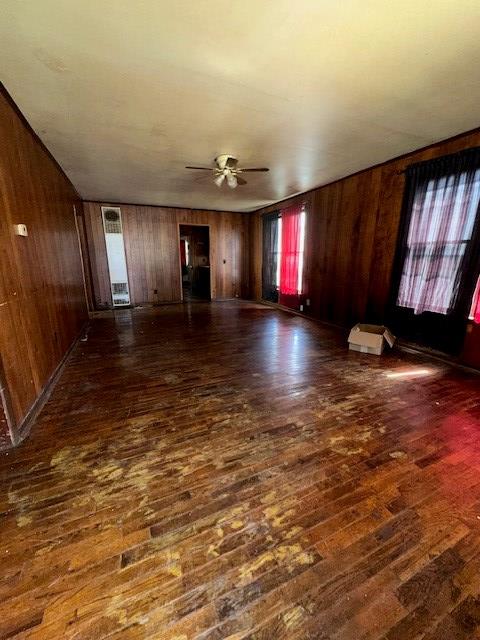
{"x": 194, "y": 224}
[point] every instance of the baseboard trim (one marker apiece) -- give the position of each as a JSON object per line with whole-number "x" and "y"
{"x": 301, "y": 314}
{"x": 110, "y": 311}
{"x": 400, "y": 344}
{"x": 21, "y": 431}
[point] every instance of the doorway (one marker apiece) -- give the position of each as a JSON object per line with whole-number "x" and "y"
{"x": 195, "y": 261}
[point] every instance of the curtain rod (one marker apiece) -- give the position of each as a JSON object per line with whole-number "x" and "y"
{"x": 463, "y": 152}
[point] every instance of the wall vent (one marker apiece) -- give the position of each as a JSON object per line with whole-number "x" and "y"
{"x": 120, "y": 287}
{"x": 117, "y": 263}
{"x": 112, "y": 220}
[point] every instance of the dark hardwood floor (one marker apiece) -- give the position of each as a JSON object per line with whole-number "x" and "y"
{"x": 228, "y": 470}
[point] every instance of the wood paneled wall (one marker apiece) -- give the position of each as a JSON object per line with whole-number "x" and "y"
{"x": 151, "y": 236}
{"x": 352, "y": 228}
{"x": 471, "y": 346}
{"x": 42, "y": 298}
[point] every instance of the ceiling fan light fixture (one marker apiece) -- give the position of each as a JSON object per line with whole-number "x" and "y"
{"x": 219, "y": 180}
{"x": 226, "y": 168}
{"x": 231, "y": 180}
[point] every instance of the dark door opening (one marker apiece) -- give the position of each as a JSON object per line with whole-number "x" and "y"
{"x": 195, "y": 261}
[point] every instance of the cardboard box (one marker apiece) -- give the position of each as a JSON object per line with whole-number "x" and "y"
{"x": 370, "y": 338}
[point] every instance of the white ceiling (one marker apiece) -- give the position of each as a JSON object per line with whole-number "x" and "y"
{"x": 126, "y": 93}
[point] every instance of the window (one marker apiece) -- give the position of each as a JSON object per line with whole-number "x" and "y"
{"x": 283, "y": 256}
{"x": 271, "y": 257}
{"x": 301, "y": 251}
{"x": 292, "y": 248}
{"x": 438, "y": 252}
{"x": 278, "y": 253}
{"x": 442, "y": 219}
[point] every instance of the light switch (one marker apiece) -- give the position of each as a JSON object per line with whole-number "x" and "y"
{"x": 21, "y": 230}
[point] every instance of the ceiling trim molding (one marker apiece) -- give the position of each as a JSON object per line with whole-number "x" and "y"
{"x": 114, "y": 203}
{"x": 403, "y": 156}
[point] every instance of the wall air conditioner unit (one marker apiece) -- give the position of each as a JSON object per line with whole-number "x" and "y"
{"x": 117, "y": 263}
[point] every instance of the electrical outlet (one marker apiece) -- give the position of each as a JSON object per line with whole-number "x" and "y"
{"x": 301, "y": 307}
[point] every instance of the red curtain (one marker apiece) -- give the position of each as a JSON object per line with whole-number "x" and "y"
{"x": 183, "y": 253}
{"x": 290, "y": 256}
{"x": 475, "y": 314}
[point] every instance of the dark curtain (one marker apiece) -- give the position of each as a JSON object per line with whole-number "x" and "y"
{"x": 270, "y": 257}
{"x": 438, "y": 255}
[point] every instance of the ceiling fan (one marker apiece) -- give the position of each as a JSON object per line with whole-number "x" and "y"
{"x": 226, "y": 169}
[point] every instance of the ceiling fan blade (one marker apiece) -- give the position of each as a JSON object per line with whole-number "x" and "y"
{"x": 201, "y": 178}
{"x": 254, "y": 169}
{"x": 231, "y": 180}
{"x": 201, "y": 168}
{"x": 241, "y": 181}
{"x": 219, "y": 180}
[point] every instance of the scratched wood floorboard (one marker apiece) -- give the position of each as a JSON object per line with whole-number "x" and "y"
{"x": 227, "y": 470}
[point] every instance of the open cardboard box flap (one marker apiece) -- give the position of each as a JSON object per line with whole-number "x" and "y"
{"x": 371, "y": 335}
{"x": 389, "y": 337}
